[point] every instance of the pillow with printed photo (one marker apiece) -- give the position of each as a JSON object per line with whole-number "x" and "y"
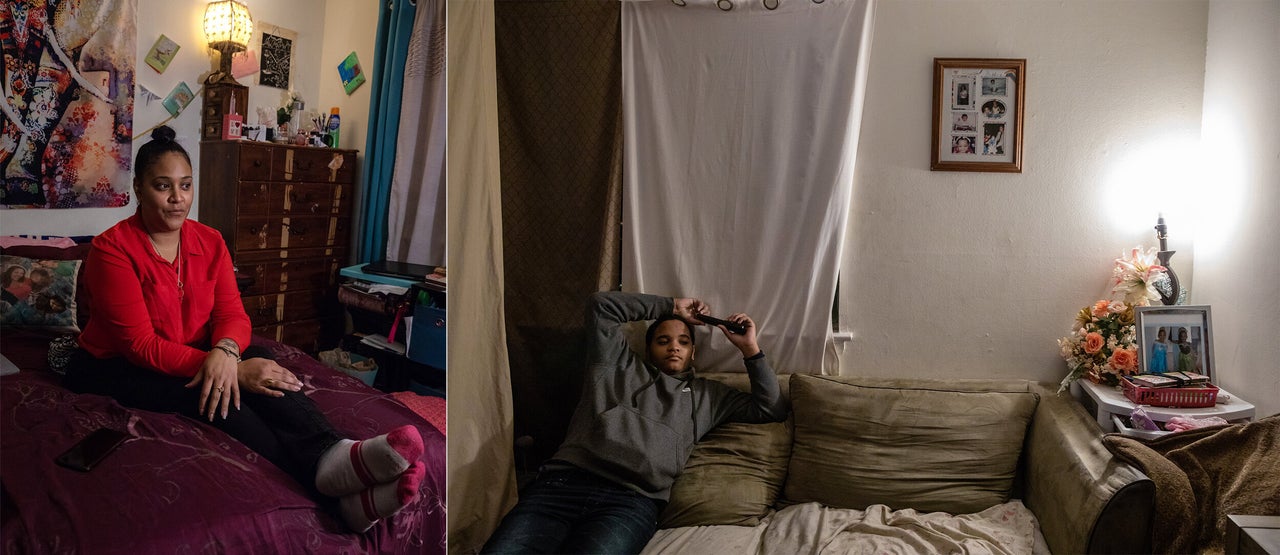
{"x": 38, "y": 293}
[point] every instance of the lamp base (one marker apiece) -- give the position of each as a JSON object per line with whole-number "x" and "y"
{"x": 217, "y": 104}
{"x": 1171, "y": 296}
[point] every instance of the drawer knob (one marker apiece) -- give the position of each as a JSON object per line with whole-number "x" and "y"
{"x": 439, "y": 322}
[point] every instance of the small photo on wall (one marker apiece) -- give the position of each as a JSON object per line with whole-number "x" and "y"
{"x": 962, "y": 94}
{"x": 994, "y": 86}
{"x": 964, "y": 121}
{"x": 993, "y": 109}
{"x": 963, "y": 144}
{"x": 993, "y": 139}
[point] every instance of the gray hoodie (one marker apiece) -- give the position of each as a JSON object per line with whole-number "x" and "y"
{"x": 636, "y": 425}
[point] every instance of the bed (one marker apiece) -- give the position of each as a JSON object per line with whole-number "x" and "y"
{"x": 179, "y": 486}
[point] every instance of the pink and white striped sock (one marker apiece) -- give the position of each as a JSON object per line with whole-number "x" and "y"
{"x": 361, "y": 510}
{"x": 353, "y": 466}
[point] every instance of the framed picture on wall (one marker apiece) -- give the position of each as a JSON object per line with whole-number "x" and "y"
{"x": 1174, "y": 339}
{"x": 977, "y": 114}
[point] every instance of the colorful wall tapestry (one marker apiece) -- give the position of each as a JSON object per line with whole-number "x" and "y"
{"x": 67, "y": 102}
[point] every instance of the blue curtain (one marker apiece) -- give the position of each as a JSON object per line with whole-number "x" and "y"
{"x": 395, "y": 24}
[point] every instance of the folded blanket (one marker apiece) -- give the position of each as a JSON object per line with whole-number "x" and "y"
{"x": 1204, "y": 475}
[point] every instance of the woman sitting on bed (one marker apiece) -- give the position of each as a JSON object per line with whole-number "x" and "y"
{"x": 168, "y": 333}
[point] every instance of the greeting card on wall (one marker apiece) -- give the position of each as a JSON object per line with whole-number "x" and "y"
{"x": 977, "y": 114}
{"x": 244, "y": 64}
{"x": 69, "y": 115}
{"x": 277, "y": 56}
{"x": 178, "y": 99}
{"x": 162, "y": 52}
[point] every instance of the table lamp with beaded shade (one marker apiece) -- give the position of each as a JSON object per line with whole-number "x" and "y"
{"x": 228, "y": 27}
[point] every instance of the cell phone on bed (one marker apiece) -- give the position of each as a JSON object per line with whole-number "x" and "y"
{"x": 90, "y": 451}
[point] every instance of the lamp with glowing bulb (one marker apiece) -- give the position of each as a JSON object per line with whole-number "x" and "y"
{"x": 228, "y": 27}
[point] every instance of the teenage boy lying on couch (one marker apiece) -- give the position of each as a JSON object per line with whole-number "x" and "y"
{"x": 633, "y": 429}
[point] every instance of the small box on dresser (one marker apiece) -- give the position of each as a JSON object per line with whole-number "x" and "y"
{"x": 285, "y": 213}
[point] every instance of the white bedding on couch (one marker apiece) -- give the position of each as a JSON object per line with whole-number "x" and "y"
{"x": 809, "y": 528}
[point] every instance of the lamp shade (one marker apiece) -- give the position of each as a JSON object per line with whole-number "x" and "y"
{"x": 227, "y": 25}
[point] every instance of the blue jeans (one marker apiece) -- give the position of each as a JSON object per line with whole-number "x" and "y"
{"x": 575, "y": 511}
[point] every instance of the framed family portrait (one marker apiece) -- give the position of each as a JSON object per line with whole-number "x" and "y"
{"x": 977, "y": 114}
{"x": 1174, "y": 339}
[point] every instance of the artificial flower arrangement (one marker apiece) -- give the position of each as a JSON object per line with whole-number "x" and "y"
{"x": 1103, "y": 347}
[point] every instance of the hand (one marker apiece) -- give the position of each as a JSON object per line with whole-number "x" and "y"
{"x": 687, "y": 309}
{"x": 264, "y": 377}
{"x": 745, "y": 342}
{"x": 218, "y": 386}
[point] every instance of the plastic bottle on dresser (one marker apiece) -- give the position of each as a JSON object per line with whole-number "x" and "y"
{"x": 334, "y": 123}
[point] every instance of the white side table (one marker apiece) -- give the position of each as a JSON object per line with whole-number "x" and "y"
{"x": 1103, "y": 401}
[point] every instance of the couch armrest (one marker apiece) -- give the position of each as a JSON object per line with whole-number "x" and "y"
{"x": 1087, "y": 501}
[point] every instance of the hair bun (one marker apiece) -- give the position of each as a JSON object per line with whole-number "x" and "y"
{"x": 163, "y": 133}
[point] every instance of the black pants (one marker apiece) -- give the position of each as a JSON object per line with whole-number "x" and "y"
{"x": 289, "y": 431}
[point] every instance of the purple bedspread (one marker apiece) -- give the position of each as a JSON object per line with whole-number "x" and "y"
{"x": 179, "y": 486}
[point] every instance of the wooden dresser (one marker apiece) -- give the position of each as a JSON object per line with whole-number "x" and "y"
{"x": 285, "y": 213}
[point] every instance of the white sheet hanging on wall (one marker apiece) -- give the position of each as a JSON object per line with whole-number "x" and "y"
{"x": 482, "y": 480}
{"x": 416, "y": 213}
{"x": 741, "y": 131}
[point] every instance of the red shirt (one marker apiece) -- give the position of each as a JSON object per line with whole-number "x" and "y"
{"x": 136, "y": 309}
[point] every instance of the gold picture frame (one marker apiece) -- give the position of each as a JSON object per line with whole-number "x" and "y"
{"x": 977, "y": 114}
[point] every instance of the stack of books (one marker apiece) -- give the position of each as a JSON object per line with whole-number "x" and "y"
{"x": 1169, "y": 379}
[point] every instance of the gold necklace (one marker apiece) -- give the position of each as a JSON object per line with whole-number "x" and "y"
{"x": 177, "y": 261}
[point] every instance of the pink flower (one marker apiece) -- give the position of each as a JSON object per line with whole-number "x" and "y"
{"x": 1124, "y": 360}
{"x": 1093, "y": 342}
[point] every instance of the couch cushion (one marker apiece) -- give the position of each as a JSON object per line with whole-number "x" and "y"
{"x": 733, "y": 476}
{"x": 927, "y": 448}
{"x": 735, "y": 473}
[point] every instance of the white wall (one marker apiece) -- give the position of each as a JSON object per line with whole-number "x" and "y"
{"x": 959, "y": 274}
{"x": 349, "y": 25}
{"x": 183, "y": 21}
{"x": 1237, "y": 266}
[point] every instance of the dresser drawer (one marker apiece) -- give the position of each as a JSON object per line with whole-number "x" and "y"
{"x": 312, "y": 231}
{"x": 259, "y": 233}
{"x": 308, "y": 198}
{"x": 312, "y": 164}
{"x": 296, "y": 275}
{"x": 255, "y": 162}
{"x": 247, "y": 259}
{"x": 269, "y": 309}
{"x": 253, "y": 199}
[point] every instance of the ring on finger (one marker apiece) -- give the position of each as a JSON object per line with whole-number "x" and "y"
{"x": 219, "y": 388}
{"x": 269, "y": 381}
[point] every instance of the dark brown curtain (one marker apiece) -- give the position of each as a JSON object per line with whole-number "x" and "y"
{"x": 560, "y": 138}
